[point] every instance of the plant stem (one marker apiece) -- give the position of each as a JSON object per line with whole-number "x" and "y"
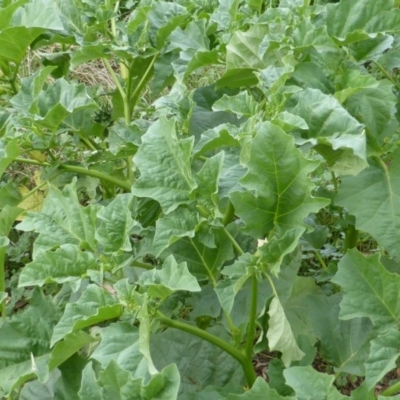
{"x": 229, "y": 214}
{"x": 81, "y": 170}
{"x": 386, "y": 74}
{"x": 134, "y": 96}
{"x": 334, "y": 180}
{"x": 351, "y": 238}
{"x": 215, "y": 340}
{"x": 320, "y": 259}
{"x": 251, "y": 330}
{"x": 233, "y": 241}
{"x": 2, "y": 280}
{"x": 391, "y": 390}
{"x": 142, "y": 265}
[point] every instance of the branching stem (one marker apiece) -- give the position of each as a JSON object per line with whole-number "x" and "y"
{"x": 215, "y": 340}
{"x": 82, "y": 171}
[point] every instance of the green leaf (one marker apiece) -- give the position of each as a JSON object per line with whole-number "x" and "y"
{"x": 383, "y": 355}
{"x": 273, "y": 252}
{"x": 120, "y": 342}
{"x": 278, "y": 190}
{"x": 172, "y": 277}
{"x": 164, "y": 18}
{"x": 191, "y": 354}
{"x": 116, "y": 224}
{"x": 94, "y": 306}
{"x": 7, "y": 218}
{"x": 208, "y": 179}
{"x": 259, "y": 390}
{"x": 373, "y": 197}
{"x": 28, "y": 353}
{"x": 237, "y": 274}
{"x": 369, "y": 289}
{"x": 62, "y": 220}
{"x": 310, "y": 384}
{"x": 201, "y": 259}
{"x": 178, "y": 224}
{"x": 329, "y": 123}
{"x": 166, "y": 178}
{"x": 344, "y": 344}
{"x": 280, "y": 335}
{"x": 374, "y": 107}
{"x": 8, "y": 153}
{"x": 14, "y": 41}
{"x": 351, "y": 20}
{"x": 116, "y": 383}
{"x": 242, "y": 104}
{"x": 65, "y": 264}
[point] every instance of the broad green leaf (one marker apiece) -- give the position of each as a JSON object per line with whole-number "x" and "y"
{"x": 172, "y": 277}
{"x": 329, "y": 123}
{"x": 278, "y": 194}
{"x": 374, "y": 107}
{"x": 89, "y": 390}
{"x": 172, "y": 227}
{"x": 120, "y": 342}
{"x": 116, "y": 383}
{"x": 371, "y": 49}
{"x": 25, "y": 343}
{"x": 115, "y": 225}
{"x": 354, "y": 20}
{"x": 352, "y": 82}
{"x": 383, "y": 355}
{"x": 14, "y": 41}
{"x": 237, "y": 78}
{"x": 273, "y": 252}
{"x": 236, "y": 276}
{"x": 373, "y": 198}
{"x": 369, "y": 289}
{"x": 144, "y": 332}
{"x": 242, "y": 104}
{"x": 344, "y": 344}
{"x": 94, "y": 306}
{"x": 219, "y": 137}
{"x": 65, "y": 264}
{"x": 259, "y": 390}
{"x": 202, "y": 260}
{"x": 8, "y": 216}
{"x": 8, "y": 153}
{"x": 191, "y": 60}
{"x": 208, "y": 179}
{"x": 310, "y": 384}
{"x": 194, "y": 36}
{"x": 166, "y": 178}
{"x": 163, "y": 19}
{"x": 199, "y": 362}
{"x": 280, "y": 335}
{"x": 62, "y": 220}
{"x": 203, "y": 118}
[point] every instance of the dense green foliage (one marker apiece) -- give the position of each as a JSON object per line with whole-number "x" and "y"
{"x": 187, "y": 186}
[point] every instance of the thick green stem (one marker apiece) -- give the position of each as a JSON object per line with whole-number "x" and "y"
{"x": 233, "y": 241}
{"x": 391, "y": 390}
{"x": 2, "y": 280}
{"x": 320, "y": 259}
{"x": 335, "y": 181}
{"x": 246, "y": 363}
{"x": 229, "y": 214}
{"x": 82, "y": 171}
{"x": 251, "y": 329}
{"x": 351, "y": 238}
